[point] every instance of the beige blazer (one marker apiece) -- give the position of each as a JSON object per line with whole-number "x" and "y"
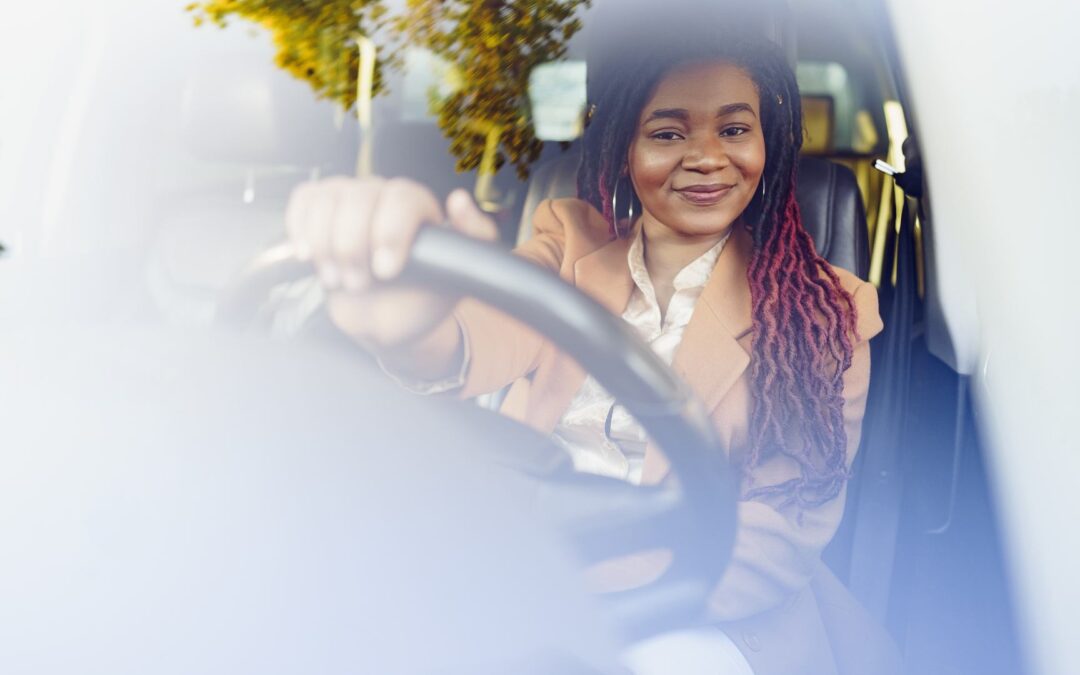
{"x": 765, "y": 589}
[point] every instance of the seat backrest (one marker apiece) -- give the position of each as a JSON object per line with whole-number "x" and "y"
{"x": 833, "y": 214}
{"x": 827, "y": 193}
{"x": 553, "y": 179}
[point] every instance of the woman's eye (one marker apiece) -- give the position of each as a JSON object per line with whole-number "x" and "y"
{"x": 666, "y": 135}
{"x": 734, "y": 131}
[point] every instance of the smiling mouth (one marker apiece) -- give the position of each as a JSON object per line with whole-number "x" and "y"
{"x": 704, "y": 195}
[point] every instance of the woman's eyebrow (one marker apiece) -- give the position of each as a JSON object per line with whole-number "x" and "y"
{"x": 669, "y": 113}
{"x": 684, "y": 115}
{"x": 732, "y": 108}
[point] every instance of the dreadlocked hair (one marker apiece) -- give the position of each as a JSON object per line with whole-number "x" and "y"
{"x": 803, "y": 320}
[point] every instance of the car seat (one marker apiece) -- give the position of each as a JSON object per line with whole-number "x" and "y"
{"x": 241, "y": 156}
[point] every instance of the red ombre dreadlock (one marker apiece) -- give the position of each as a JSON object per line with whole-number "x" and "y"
{"x": 803, "y": 320}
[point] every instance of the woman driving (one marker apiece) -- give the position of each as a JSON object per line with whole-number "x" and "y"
{"x": 686, "y": 226}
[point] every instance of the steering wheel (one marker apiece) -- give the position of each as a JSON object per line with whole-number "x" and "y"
{"x": 692, "y": 514}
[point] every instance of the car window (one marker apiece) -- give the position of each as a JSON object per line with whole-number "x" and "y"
{"x": 427, "y": 81}
{"x": 557, "y": 100}
{"x": 836, "y": 112}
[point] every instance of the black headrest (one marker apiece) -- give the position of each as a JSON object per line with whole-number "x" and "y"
{"x": 833, "y": 214}
{"x": 828, "y": 196}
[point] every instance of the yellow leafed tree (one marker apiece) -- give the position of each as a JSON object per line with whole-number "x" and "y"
{"x": 492, "y": 44}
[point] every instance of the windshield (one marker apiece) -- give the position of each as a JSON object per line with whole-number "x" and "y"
{"x": 149, "y": 149}
{"x": 178, "y": 173}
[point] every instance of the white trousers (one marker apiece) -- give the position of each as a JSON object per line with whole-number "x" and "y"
{"x": 697, "y": 651}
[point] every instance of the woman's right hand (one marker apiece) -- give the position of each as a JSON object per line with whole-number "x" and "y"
{"x": 358, "y": 233}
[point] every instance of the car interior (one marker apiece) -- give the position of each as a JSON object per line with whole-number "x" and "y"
{"x": 919, "y": 545}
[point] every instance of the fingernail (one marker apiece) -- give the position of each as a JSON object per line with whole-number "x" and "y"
{"x": 383, "y": 263}
{"x": 329, "y": 275}
{"x": 353, "y": 280}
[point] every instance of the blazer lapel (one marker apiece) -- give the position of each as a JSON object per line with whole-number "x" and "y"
{"x": 604, "y": 275}
{"x": 710, "y": 358}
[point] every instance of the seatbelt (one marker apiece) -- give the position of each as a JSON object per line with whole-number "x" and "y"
{"x": 881, "y": 487}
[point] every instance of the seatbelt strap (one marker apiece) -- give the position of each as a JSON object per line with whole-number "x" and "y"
{"x": 881, "y": 488}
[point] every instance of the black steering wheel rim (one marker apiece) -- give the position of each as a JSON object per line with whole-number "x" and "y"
{"x": 692, "y": 514}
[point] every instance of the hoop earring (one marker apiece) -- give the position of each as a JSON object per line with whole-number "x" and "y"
{"x": 614, "y": 210}
{"x": 762, "y": 189}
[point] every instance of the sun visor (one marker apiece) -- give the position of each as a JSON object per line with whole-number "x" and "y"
{"x": 621, "y": 27}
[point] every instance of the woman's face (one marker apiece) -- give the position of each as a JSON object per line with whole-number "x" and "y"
{"x": 698, "y": 153}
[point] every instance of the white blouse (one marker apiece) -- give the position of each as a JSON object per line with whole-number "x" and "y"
{"x": 600, "y": 436}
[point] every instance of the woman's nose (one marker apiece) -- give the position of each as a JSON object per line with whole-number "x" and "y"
{"x": 705, "y": 155}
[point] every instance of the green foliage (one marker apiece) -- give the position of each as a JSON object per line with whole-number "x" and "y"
{"x": 493, "y": 44}
{"x": 315, "y": 39}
